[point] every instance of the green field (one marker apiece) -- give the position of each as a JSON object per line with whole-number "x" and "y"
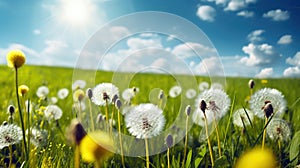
{"x": 58, "y": 152}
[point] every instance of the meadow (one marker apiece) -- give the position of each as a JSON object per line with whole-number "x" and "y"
{"x": 57, "y": 151}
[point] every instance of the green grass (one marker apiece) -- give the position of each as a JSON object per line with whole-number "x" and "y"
{"x": 59, "y": 153}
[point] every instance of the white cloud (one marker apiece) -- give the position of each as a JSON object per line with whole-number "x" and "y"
{"x": 191, "y": 49}
{"x": 265, "y": 73}
{"x": 235, "y": 5}
{"x": 286, "y": 39}
{"x": 206, "y": 13}
{"x": 219, "y": 2}
{"x": 292, "y": 72}
{"x": 209, "y": 66}
{"x": 54, "y": 47}
{"x": 277, "y": 15}
{"x": 294, "y": 60}
{"x": 255, "y": 35}
{"x": 246, "y": 14}
{"x": 36, "y": 31}
{"x": 259, "y": 54}
{"x": 139, "y": 43}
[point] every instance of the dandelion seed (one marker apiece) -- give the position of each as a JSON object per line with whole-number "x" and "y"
{"x": 190, "y": 93}
{"x": 15, "y": 59}
{"x": 217, "y": 104}
{"x": 240, "y": 116}
{"x": 145, "y": 121}
{"x": 22, "y": 90}
{"x": 42, "y": 91}
{"x": 103, "y": 93}
{"x": 175, "y": 91}
{"x": 78, "y": 95}
{"x": 63, "y": 93}
{"x": 203, "y": 86}
{"x": 216, "y": 86}
{"x": 38, "y": 137}
{"x": 78, "y": 84}
{"x": 53, "y": 112}
{"x": 278, "y": 129}
{"x": 275, "y": 97}
{"x": 9, "y": 134}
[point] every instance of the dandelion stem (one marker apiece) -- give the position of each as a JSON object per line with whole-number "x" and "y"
{"x": 218, "y": 137}
{"x": 21, "y": 116}
{"x": 77, "y": 157}
{"x": 111, "y": 123}
{"x": 120, "y": 138}
{"x": 147, "y": 153}
{"x": 10, "y": 155}
{"x": 106, "y": 111}
{"x": 186, "y": 140}
{"x": 91, "y": 115}
{"x": 168, "y": 155}
{"x": 208, "y": 142}
{"x": 264, "y": 135}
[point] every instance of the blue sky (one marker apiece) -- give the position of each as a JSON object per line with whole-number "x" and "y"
{"x": 253, "y": 38}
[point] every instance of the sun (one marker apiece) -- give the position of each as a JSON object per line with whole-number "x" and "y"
{"x": 76, "y": 12}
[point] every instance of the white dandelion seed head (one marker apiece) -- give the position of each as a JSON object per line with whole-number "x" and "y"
{"x": 278, "y": 129}
{"x": 203, "y": 86}
{"x": 42, "y": 91}
{"x": 104, "y": 88}
{"x": 258, "y": 99}
{"x": 38, "y": 137}
{"x": 216, "y": 86}
{"x": 240, "y": 115}
{"x": 190, "y": 93}
{"x": 53, "y": 112}
{"x": 9, "y": 134}
{"x": 78, "y": 84}
{"x": 53, "y": 100}
{"x": 217, "y": 101}
{"x": 128, "y": 94}
{"x": 175, "y": 91}
{"x": 145, "y": 121}
{"x": 63, "y": 93}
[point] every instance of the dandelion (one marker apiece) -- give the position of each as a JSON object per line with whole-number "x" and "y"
{"x": 240, "y": 117}
{"x": 38, "y": 137}
{"x": 203, "y": 86}
{"x": 251, "y": 86}
{"x": 53, "y": 100}
{"x": 175, "y": 91}
{"x": 53, "y": 112}
{"x": 78, "y": 84}
{"x": 42, "y": 91}
{"x": 190, "y": 93}
{"x": 96, "y": 147}
{"x": 278, "y": 129}
{"x": 257, "y": 158}
{"x": 63, "y": 93}
{"x": 9, "y": 134}
{"x": 78, "y": 95}
{"x": 273, "y": 96}
{"x": 118, "y": 106}
{"x": 15, "y": 59}
{"x": 264, "y": 81}
{"x": 145, "y": 120}
{"x": 22, "y": 90}
{"x": 216, "y": 86}
{"x": 128, "y": 94}
{"x": 103, "y": 93}
{"x": 89, "y": 93}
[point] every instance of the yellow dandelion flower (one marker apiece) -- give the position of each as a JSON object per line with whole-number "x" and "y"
{"x": 78, "y": 95}
{"x": 15, "y": 59}
{"x": 96, "y": 146}
{"x": 264, "y": 81}
{"x": 257, "y": 158}
{"x": 23, "y": 89}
